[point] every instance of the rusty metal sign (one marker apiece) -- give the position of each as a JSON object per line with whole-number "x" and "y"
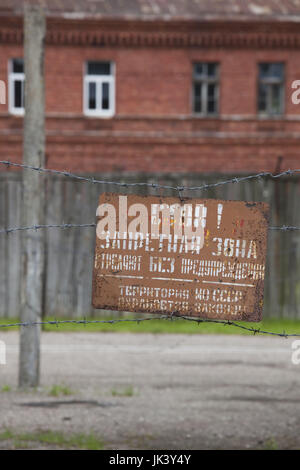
{"x": 196, "y": 257}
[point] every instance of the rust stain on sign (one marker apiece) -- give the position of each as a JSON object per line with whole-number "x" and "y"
{"x": 198, "y": 257}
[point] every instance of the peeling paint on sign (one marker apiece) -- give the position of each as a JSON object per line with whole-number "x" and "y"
{"x": 198, "y": 257}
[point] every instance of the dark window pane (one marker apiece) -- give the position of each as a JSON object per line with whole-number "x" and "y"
{"x": 211, "y": 106}
{"x": 262, "y": 97}
{"x": 105, "y": 96}
{"x": 205, "y": 69}
{"x": 98, "y": 68}
{"x": 18, "y": 102}
{"x": 274, "y": 70}
{"x": 92, "y": 95}
{"x": 197, "y": 98}
{"x": 198, "y": 69}
{"x": 275, "y": 99}
{"x": 211, "y": 90}
{"x": 198, "y": 88}
{"x": 18, "y": 66}
{"x": 264, "y": 70}
{"x": 211, "y": 98}
{"x": 23, "y": 94}
{"x": 211, "y": 70}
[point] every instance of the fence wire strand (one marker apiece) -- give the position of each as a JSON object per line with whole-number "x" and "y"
{"x": 179, "y": 190}
{"x": 284, "y": 228}
{"x": 170, "y": 317}
{"x": 236, "y": 179}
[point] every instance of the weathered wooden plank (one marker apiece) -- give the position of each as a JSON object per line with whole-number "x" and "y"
{"x": 54, "y": 215}
{"x": 13, "y": 248}
{"x": 84, "y": 246}
{"x": 67, "y": 253}
{"x": 4, "y": 293}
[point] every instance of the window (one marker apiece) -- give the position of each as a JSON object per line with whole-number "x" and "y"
{"x": 205, "y": 89}
{"x": 270, "y": 89}
{"x": 99, "y": 89}
{"x": 16, "y": 81}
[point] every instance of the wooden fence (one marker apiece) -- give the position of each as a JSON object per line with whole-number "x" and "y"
{"x": 69, "y": 252}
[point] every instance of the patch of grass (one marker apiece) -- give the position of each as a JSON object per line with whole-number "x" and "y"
{"x": 59, "y": 390}
{"x": 5, "y": 435}
{"x": 6, "y": 388}
{"x": 20, "y": 445}
{"x": 55, "y": 438}
{"x": 271, "y": 444}
{"x": 278, "y": 325}
{"x": 125, "y": 392}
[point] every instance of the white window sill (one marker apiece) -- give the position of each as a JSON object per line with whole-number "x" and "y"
{"x": 17, "y": 112}
{"x": 99, "y": 115}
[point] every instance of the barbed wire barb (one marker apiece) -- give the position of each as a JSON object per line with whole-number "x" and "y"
{"x": 203, "y": 187}
{"x": 154, "y": 318}
{"x": 284, "y": 228}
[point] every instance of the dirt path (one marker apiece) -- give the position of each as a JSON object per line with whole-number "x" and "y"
{"x": 159, "y": 391}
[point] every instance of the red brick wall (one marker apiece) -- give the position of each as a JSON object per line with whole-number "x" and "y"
{"x": 153, "y": 129}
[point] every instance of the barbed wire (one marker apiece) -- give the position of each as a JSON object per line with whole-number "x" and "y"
{"x": 179, "y": 189}
{"x": 38, "y": 227}
{"x": 284, "y": 228}
{"x": 152, "y": 185}
{"x": 170, "y": 317}
{"x": 236, "y": 179}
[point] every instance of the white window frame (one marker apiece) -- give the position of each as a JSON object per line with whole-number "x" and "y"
{"x": 12, "y": 78}
{"x": 269, "y": 81}
{"x": 204, "y": 80}
{"x": 99, "y": 80}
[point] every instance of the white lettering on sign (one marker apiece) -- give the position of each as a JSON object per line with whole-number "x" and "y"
{"x": 194, "y": 257}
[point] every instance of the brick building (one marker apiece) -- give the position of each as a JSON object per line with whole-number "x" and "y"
{"x": 160, "y": 85}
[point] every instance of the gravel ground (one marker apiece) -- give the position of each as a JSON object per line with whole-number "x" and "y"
{"x": 179, "y": 391}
